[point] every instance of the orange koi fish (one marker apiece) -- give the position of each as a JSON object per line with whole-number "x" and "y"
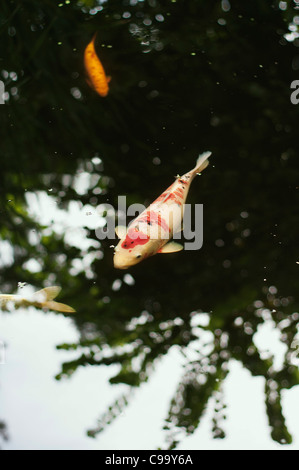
{"x": 151, "y": 231}
{"x": 97, "y": 77}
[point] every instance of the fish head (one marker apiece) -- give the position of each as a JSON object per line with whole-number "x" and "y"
{"x": 124, "y": 260}
{"x": 132, "y": 249}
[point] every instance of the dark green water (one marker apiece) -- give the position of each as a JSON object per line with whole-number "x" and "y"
{"x": 186, "y": 77}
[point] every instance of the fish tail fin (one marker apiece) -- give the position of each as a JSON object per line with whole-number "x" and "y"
{"x": 46, "y": 297}
{"x": 48, "y": 293}
{"x": 202, "y": 162}
{"x": 94, "y": 37}
{"x": 58, "y": 307}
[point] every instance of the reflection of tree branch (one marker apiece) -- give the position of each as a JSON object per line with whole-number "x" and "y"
{"x": 276, "y": 419}
{"x": 187, "y": 407}
{"x": 116, "y": 409}
{"x": 3, "y": 431}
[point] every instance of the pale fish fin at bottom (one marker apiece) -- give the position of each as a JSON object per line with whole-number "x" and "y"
{"x": 58, "y": 307}
{"x": 46, "y": 296}
{"x": 171, "y": 247}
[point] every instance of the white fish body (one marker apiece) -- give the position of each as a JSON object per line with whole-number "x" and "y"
{"x": 41, "y": 299}
{"x": 151, "y": 231}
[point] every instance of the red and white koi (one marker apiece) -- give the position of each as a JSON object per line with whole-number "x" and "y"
{"x": 151, "y": 231}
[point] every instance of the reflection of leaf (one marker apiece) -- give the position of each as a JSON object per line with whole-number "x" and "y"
{"x": 116, "y": 409}
{"x": 219, "y": 416}
{"x": 3, "y": 431}
{"x": 274, "y": 410}
{"x": 191, "y": 398}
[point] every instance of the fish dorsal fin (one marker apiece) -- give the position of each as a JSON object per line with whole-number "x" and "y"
{"x": 48, "y": 293}
{"x": 121, "y": 231}
{"x": 171, "y": 247}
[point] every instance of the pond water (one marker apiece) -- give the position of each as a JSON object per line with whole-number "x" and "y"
{"x": 61, "y": 410}
{"x": 196, "y": 349}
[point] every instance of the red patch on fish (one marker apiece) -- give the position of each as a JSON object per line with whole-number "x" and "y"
{"x": 170, "y": 196}
{"x": 152, "y": 217}
{"x": 134, "y": 240}
{"x": 174, "y": 197}
{"x": 180, "y": 191}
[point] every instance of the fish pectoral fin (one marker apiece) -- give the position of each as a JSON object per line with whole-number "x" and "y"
{"x": 108, "y": 79}
{"x": 121, "y": 231}
{"x": 48, "y": 293}
{"x": 171, "y": 247}
{"x": 89, "y": 82}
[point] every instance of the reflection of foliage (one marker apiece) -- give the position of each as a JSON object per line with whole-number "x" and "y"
{"x": 3, "y": 432}
{"x": 113, "y": 412}
{"x": 186, "y": 77}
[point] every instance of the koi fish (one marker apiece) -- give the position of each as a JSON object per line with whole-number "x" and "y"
{"x": 97, "y": 78}
{"x": 42, "y": 299}
{"x": 151, "y": 231}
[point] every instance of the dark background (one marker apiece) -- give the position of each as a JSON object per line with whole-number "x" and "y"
{"x": 187, "y": 76}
